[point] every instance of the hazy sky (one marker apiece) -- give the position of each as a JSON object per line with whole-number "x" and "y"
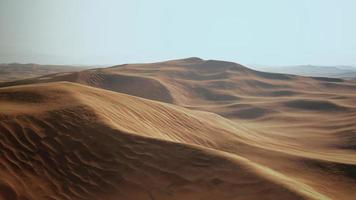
{"x": 272, "y": 32}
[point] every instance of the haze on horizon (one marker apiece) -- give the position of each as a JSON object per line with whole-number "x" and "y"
{"x": 275, "y": 32}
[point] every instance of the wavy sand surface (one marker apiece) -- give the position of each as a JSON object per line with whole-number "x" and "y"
{"x": 265, "y": 135}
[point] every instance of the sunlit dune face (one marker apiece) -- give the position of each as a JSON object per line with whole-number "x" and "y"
{"x": 183, "y": 129}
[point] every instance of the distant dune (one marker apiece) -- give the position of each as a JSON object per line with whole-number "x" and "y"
{"x": 16, "y": 71}
{"x": 344, "y": 72}
{"x": 180, "y": 129}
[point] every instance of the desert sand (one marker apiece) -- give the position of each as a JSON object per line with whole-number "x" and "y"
{"x": 181, "y": 129}
{"x": 16, "y": 71}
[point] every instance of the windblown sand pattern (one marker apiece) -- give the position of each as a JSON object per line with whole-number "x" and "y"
{"x": 182, "y": 129}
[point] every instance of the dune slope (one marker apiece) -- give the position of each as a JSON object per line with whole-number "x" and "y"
{"x": 16, "y": 71}
{"x": 62, "y": 147}
{"x": 296, "y": 133}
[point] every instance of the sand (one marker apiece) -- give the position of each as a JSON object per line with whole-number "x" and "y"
{"x": 17, "y": 71}
{"x": 182, "y": 129}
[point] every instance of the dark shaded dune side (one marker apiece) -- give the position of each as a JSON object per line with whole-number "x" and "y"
{"x": 222, "y": 84}
{"x": 280, "y": 93}
{"x": 274, "y": 76}
{"x": 195, "y": 75}
{"x": 144, "y": 87}
{"x": 342, "y": 169}
{"x": 314, "y": 105}
{"x": 349, "y": 137}
{"x": 6, "y": 192}
{"x": 211, "y": 95}
{"x": 338, "y": 86}
{"x": 248, "y": 113}
{"x": 327, "y": 79}
{"x": 28, "y": 97}
{"x": 260, "y": 84}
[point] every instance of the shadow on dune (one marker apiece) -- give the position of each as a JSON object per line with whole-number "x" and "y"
{"x": 248, "y": 113}
{"x": 314, "y": 105}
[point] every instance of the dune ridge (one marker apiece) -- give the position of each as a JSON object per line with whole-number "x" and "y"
{"x": 292, "y": 135}
{"x": 82, "y": 157}
{"x": 17, "y": 71}
{"x": 74, "y": 127}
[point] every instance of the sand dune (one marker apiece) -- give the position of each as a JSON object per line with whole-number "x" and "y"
{"x": 72, "y": 151}
{"x": 16, "y": 71}
{"x": 196, "y": 82}
{"x": 345, "y": 72}
{"x": 202, "y": 130}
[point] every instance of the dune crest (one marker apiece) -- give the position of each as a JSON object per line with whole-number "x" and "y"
{"x": 72, "y": 151}
{"x": 189, "y": 129}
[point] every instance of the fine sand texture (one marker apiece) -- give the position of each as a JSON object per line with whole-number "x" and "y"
{"x": 181, "y": 129}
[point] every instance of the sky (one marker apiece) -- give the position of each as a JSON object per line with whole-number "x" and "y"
{"x": 93, "y": 32}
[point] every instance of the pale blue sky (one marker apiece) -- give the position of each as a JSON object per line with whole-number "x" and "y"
{"x": 271, "y": 32}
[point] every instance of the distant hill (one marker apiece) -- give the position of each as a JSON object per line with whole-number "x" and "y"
{"x": 344, "y": 72}
{"x": 16, "y": 71}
